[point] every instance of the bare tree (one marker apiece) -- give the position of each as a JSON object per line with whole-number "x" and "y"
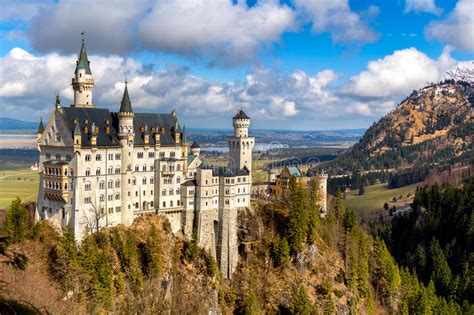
{"x": 95, "y": 218}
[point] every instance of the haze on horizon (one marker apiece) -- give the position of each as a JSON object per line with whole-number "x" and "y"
{"x": 297, "y": 65}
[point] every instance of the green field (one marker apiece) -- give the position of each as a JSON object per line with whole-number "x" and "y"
{"x": 21, "y": 183}
{"x": 375, "y": 196}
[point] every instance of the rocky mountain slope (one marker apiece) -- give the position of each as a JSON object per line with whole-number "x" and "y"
{"x": 432, "y": 125}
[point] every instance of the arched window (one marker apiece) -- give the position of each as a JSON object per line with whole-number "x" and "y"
{"x": 102, "y": 198}
{"x": 110, "y": 184}
{"x": 117, "y": 170}
{"x": 163, "y": 168}
{"x": 163, "y": 192}
{"x": 178, "y": 180}
{"x": 102, "y": 184}
{"x": 178, "y": 167}
{"x": 152, "y": 180}
{"x": 144, "y": 168}
{"x": 98, "y": 157}
{"x": 117, "y": 183}
{"x": 171, "y": 203}
{"x": 88, "y": 172}
{"x": 164, "y": 204}
{"x": 65, "y": 186}
{"x": 178, "y": 191}
{"x": 88, "y": 157}
{"x": 97, "y": 171}
{"x": 171, "y": 191}
{"x": 134, "y": 181}
{"x": 117, "y": 196}
{"x": 87, "y": 186}
{"x": 110, "y": 170}
{"x": 144, "y": 181}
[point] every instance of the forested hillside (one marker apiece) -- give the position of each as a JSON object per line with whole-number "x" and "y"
{"x": 435, "y": 240}
{"x": 291, "y": 262}
{"x": 430, "y": 129}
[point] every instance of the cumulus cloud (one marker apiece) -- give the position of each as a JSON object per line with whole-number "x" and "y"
{"x": 457, "y": 29}
{"x": 225, "y": 31}
{"x": 109, "y": 25}
{"x": 398, "y": 74}
{"x": 422, "y": 6}
{"x": 336, "y": 17}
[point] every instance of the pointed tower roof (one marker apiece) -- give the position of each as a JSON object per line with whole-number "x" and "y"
{"x": 77, "y": 130}
{"x": 183, "y": 135}
{"x": 83, "y": 62}
{"x": 195, "y": 145}
{"x": 40, "y": 127}
{"x": 126, "y": 105}
{"x": 241, "y": 115}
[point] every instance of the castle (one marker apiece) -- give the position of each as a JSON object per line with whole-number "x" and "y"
{"x": 100, "y": 168}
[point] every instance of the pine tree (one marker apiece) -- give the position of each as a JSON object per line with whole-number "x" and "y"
{"x": 313, "y": 211}
{"x": 152, "y": 254}
{"x": 15, "y": 227}
{"x": 299, "y": 302}
{"x": 298, "y": 218}
{"x": 280, "y": 251}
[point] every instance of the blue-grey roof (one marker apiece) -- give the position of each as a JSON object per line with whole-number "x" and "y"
{"x": 225, "y": 171}
{"x": 191, "y": 158}
{"x": 126, "y": 104}
{"x": 295, "y": 171}
{"x": 100, "y": 117}
{"x": 241, "y": 115}
{"x": 83, "y": 62}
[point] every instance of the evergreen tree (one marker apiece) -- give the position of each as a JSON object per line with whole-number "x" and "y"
{"x": 299, "y": 302}
{"x": 15, "y": 227}
{"x": 152, "y": 254}
{"x": 440, "y": 271}
{"x": 314, "y": 211}
{"x": 298, "y": 218}
{"x": 280, "y": 251}
{"x": 361, "y": 189}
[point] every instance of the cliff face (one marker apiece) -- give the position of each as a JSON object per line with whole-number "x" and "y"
{"x": 435, "y": 112}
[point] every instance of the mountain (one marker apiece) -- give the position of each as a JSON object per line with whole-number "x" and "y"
{"x": 14, "y": 124}
{"x": 432, "y": 126}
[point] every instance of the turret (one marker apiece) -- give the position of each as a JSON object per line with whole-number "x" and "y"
{"x": 195, "y": 148}
{"x": 40, "y": 131}
{"x": 83, "y": 83}
{"x": 77, "y": 137}
{"x": 241, "y": 145}
{"x": 126, "y": 117}
{"x": 241, "y": 123}
{"x": 94, "y": 131}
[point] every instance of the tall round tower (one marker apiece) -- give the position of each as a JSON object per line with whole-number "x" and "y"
{"x": 83, "y": 83}
{"x": 241, "y": 145}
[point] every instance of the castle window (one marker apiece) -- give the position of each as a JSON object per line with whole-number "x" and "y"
{"x": 178, "y": 203}
{"x": 144, "y": 181}
{"x": 117, "y": 170}
{"x": 48, "y": 156}
{"x": 172, "y": 154}
{"x": 58, "y": 156}
{"x": 117, "y": 209}
{"x": 88, "y": 157}
{"x": 137, "y": 168}
{"x": 178, "y": 179}
{"x": 102, "y": 198}
{"x": 244, "y": 179}
{"x": 101, "y": 184}
{"x": 111, "y": 210}
{"x": 151, "y": 203}
{"x": 65, "y": 186}
{"x": 97, "y": 171}
{"x": 111, "y": 157}
{"x": 134, "y": 181}
{"x": 171, "y": 191}
{"x": 144, "y": 168}
{"x": 151, "y": 154}
{"x": 129, "y": 167}
{"x": 171, "y": 203}
{"x": 178, "y": 167}
{"x": 164, "y": 204}
{"x": 152, "y": 168}
{"x": 144, "y": 193}
{"x": 58, "y": 137}
{"x": 88, "y": 172}
{"x": 68, "y": 157}
{"x": 151, "y": 192}
{"x": 118, "y": 156}
{"x": 117, "y": 196}
{"x": 110, "y": 184}
{"x": 177, "y": 191}
{"x": 129, "y": 194}
{"x": 110, "y": 197}
{"x": 162, "y": 154}
{"x": 117, "y": 183}
{"x": 152, "y": 180}
{"x": 238, "y": 179}
{"x": 136, "y": 194}
{"x": 65, "y": 172}
{"x": 136, "y": 205}
{"x": 140, "y": 155}
{"x": 98, "y": 157}
{"x": 163, "y": 192}
{"x": 87, "y": 200}
{"x": 110, "y": 170}
{"x": 163, "y": 168}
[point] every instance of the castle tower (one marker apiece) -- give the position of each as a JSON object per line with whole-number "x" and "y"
{"x": 126, "y": 135}
{"x": 195, "y": 149}
{"x": 241, "y": 145}
{"x": 323, "y": 186}
{"x": 83, "y": 83}
{"x": 40, "y": 131}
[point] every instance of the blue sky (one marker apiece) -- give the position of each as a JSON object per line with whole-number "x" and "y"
{"x": 313, "y": 64}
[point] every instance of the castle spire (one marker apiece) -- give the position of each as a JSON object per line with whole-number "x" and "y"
{"x": 126, "y": 104}
{"x": 83, "y": 61}
{"x": 40, "y": 127}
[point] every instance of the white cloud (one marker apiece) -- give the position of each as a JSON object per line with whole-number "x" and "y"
{"x": 398, "y": 74}
{"x": 457, "y": 29}
{"x": 422, "y": 6}
{"x": 109, "y": 25}
{"x": 219, "y": 29}
{"x": 336, "y": 18}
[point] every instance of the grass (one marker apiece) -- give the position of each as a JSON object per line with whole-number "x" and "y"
{"x": 21, "y": 183}
{"x": 375, "y": 196}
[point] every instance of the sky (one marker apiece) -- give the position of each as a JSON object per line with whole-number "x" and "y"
{"x": 296, "y": 64}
